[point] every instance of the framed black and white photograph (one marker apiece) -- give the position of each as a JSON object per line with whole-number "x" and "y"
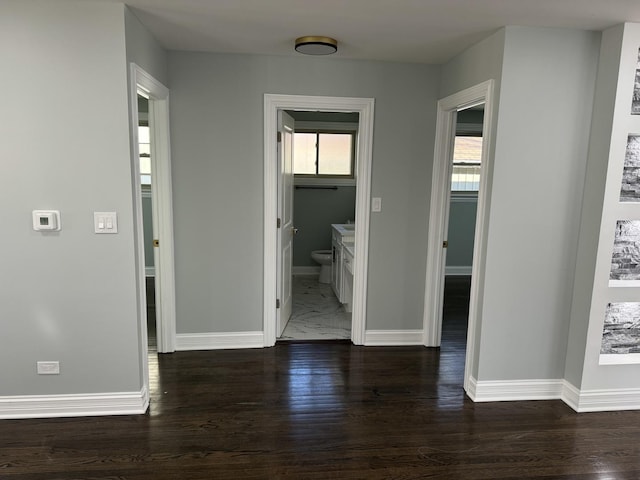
{"x": 621, "y": 333}
{"x": 625, "y": 260}
{"x": 635, "y": 103}
{"x": 630, "y": 187}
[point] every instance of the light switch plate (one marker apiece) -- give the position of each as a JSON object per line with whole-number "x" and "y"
{"x": 105, "y": 222}
{"x": 376, "y": 204}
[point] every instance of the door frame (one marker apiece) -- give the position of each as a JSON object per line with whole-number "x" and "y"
{"x": 438, "y": 217}
{"x": 365, "y": 108}
{"x": 143, "y": 83}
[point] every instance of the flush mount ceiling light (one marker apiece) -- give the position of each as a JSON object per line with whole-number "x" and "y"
{"x": 316, "y": 45}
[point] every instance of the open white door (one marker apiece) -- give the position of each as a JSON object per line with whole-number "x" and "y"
{"x": 285, "y": 219}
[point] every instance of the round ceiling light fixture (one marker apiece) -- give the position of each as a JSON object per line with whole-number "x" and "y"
{"x": 316, "y": 45}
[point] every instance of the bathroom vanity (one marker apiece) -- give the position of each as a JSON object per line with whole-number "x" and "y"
{"x": 342, "y": 249}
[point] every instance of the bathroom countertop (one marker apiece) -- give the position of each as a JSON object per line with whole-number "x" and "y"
{"x": 345, "y": 229}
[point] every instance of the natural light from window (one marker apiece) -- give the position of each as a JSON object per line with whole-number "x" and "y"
{"x": 467, "y": 155}
{"x": 321, "y": 154}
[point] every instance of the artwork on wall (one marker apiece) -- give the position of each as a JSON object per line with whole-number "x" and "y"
{"x": 630, "y": 189}
{"x": 621, "y": 333}
{"x": 625, "y": 260}
{"x": 635, "y": 103}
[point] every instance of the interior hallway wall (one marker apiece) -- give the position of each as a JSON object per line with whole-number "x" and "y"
{"x": 65, "y": 146}
{"x": 217, "y": 144}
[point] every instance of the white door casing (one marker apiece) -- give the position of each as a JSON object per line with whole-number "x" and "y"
{"x": 439, "y": 213}
{"x": 365, "y": 108}
{"x": 286, "y": 128}
{"x": 143, "y": 83}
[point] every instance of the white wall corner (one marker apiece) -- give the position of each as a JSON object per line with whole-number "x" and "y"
{"x": 393, "y": 337}
{"x": 219, "y": 341}
{"x": 74, "y": 405}
{"x": 601, "y": 400}
{"x": 516, "y": 390}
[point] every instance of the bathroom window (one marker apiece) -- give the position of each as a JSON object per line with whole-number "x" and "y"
{"x": 320, "y": 154}
{"x": 467, "y": 153}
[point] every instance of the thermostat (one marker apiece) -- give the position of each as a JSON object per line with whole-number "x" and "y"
{"x": 46, "y": 220}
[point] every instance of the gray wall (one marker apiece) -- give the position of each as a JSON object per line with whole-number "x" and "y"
{"x": 478, "y": 64}
{"x": 313, "y": 212}
{"x": 534, "y": 223}
{"x": 66, "y": 296}
{"x": 596, "y": 174}
{"x": 462, "y": 223}
{"x": 217, "y": 137}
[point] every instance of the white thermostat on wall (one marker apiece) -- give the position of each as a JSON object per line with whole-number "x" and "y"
{"x": 46, "y": 220}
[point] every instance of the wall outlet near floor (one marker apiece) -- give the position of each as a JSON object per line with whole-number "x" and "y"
{"x": 48, "y": 368}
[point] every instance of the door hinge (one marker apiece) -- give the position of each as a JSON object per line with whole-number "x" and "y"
{"x": 277, "y": 303}
{"x": 278, "y": 223}
{"x": 279, "y": 137}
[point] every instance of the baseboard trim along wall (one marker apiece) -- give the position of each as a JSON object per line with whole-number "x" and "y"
{"x": 555, "y": 389}
{"x": 457, "y": 271}
{"x": 393, "y": 337}
{"x": 72, "y": 405}
{"x": 219, "y": 341}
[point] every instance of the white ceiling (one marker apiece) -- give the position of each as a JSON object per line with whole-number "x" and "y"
{"x": 424, "y": 31}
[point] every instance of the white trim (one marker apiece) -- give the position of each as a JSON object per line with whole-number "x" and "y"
{"x": 393, "y": 337}
{"x": 150, "y": 271}
{"x": 455, "y": 270}
{"x": 570, "y": 395}
{"x": 517, "y": 390}
{"x": 619, "y": 358}
{"x": 439, "y": 215}
{"x": 558, "y": 389}
{"x": 306, "y": 270}
{"x": 162, "y": 208}
{"x": 601, "y": 400}
{"x": 365, "y": 108}
{"x": 219, "y": 341}
{"x": 74, "y": 405}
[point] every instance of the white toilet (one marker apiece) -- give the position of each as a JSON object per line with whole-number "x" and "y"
{"x": 323, "y": 257}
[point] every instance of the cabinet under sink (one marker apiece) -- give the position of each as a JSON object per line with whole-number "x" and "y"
{"x": 343, "y": 250}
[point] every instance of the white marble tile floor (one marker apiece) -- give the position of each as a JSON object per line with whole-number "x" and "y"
{"x": 317, "y": 314}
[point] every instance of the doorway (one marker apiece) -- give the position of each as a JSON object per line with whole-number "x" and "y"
{"x": 448, "y": 109}
{"x": 273, "y": 269}
{"x": 158, "y": 165}
{"x": 323, "y": 208}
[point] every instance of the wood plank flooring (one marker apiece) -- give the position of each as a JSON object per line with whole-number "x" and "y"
{"x": 326, "y": 411}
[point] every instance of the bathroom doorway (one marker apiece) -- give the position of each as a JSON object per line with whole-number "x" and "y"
{"x": 324, "y": 205}
{"x": 277, "y": 284}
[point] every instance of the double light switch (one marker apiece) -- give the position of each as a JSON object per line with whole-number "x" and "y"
{"x": 105, "y": 222}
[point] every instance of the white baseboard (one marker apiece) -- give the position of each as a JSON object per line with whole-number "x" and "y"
{"x": 306, "y": 270}
{"x": 393, "y": 337}
{"x": 514, "y": 390}
{"x": 601, "y": 400}
{"x": 219, "y": 341}
{"x": 453, "y": 270}
{"x": 72, "y": 405}
{"x": 578, "y": 400}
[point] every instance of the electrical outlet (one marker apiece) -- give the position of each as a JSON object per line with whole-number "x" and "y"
{"x": 48, "y": 368}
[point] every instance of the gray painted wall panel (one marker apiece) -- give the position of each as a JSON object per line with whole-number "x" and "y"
{"x": 534, "y": 223}
{"x": 66, "y": 296}
{"x": 217, "y": 122}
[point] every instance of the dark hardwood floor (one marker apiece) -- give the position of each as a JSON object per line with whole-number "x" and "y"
{"x": 326, "y": 411}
